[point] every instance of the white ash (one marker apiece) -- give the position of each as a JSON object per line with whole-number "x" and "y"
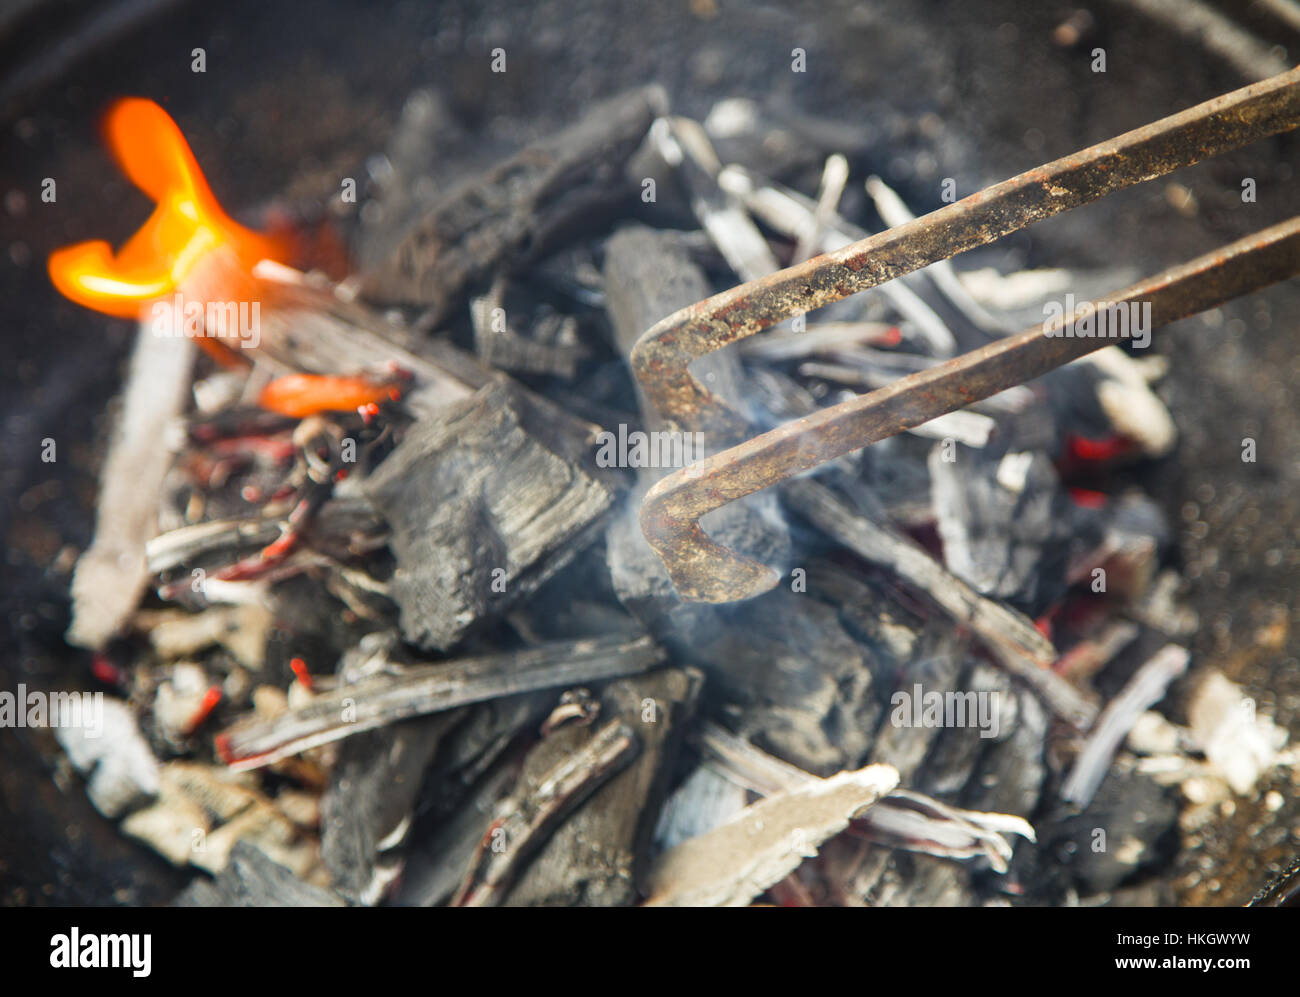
{"x": 120, "y": 769}
{"x": 179, "y": 697}
{"x": 765, "y": 842}
{"x": 1240, "y": 744}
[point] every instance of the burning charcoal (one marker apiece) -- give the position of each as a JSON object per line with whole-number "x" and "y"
{"x": 251, "y": 879}
{"x": 531, "y": 762}
{"x": 556, "y": 778}
{"x": 483, "y": 507}
{"x": 734, "y": 863}
{"x": 366, "y": 810}
{"x": 111, "y": 575}
{"x": 120, "y": 769}
{"x": 518, "y": 210}
{"x": 593, "y": 858}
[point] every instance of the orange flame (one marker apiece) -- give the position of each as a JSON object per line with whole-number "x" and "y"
{"x": 185, "y": 227}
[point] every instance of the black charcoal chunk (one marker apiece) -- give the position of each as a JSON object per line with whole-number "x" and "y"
{"x": 366, "y": 809}
{"x": 519, "y": 210}
{"x": 1130, "y": 826}
{"x": 485, "y": 503}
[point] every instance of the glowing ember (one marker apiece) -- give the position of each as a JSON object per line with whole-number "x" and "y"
{"x": 300, "y": 395}
{"x": 185, "y": 228}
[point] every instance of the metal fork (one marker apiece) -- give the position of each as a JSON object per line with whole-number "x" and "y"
{"x": 705, "y": 571}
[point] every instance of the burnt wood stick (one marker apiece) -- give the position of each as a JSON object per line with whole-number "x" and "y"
{"x": 338, "y": 518}
{"x": 523, "y": 822}
{"x": 592, "y": 859}
{"x": 422, "y": 689}
{"x": 903, "y": 819}
{"x": 112, "y": 574}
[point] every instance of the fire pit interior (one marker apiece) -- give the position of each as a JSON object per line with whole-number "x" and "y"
{"x": 355, "y": 587}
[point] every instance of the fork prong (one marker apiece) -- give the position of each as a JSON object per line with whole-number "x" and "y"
{"x": 704, "y": 571}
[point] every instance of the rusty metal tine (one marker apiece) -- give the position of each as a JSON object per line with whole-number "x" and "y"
{"x": 704, "y": 571}
{"x": 661, "y": 358}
